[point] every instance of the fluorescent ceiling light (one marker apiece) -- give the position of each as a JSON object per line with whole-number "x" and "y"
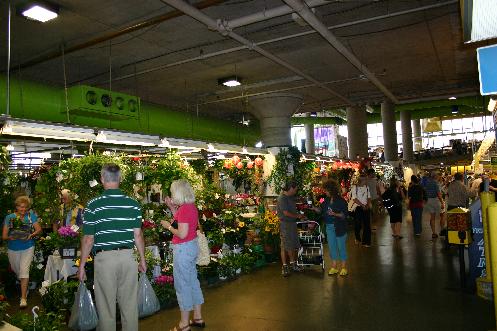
{"x": 39, "y": 12}
{"x": 452, "y": 98}
{"x": 46, "y": 131}
{"x": 127, "y": 138}
{"x": 232, "y": 81}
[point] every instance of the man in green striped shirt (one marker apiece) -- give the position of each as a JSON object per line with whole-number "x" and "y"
{"x": 111, "y": 227}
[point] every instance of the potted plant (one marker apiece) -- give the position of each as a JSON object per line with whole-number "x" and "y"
{"x": 47, "y": 321}
{"x": 59, "y": 296}
{"x": 164, "y": 289}
{"x": 68, "y": 240}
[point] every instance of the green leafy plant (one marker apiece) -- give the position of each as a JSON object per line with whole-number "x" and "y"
{"x": 46, "y": 321}
{"x": 59, "y": 296}
{"x": 168, "y": 168}
{"x": 290, "y": 158}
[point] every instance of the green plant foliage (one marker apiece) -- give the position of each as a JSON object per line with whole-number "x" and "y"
{"x": 169, "y": 168}
{"x": 302, "y": 171}
{"x": 46, "y": 200}
{"x": 46, "y": 321}
{"x": 59, "y": 297}
{"x": 9, "y": 183}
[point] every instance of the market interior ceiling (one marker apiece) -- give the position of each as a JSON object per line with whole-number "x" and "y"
{"x": 405, "y": 50}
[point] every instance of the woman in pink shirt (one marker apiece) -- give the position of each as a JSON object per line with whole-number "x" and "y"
{"x": 185, "y": 251}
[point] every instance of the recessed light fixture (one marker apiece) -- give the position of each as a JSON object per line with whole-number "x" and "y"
{"x": 39, "y": 11}
{"x": 452, "y": 98}
{"x": 231, "y": 81}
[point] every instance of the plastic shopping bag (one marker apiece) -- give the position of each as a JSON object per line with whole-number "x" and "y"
{"x": 148, "y": 304}
{"x": 204, "y": 253}
{"x": 83, "y": 312}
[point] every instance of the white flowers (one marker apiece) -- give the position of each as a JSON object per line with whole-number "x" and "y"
{"x": 93, "y": 183}
{"x": 217, "y": 196}
{"x": 43, "y": 289}
{"x": 40, "y": 266}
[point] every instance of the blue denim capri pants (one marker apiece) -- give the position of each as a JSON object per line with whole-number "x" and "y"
{"x": 186, "y": 281}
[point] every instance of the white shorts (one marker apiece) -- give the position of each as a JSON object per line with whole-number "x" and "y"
{"x": 20, "y": 261}
{"x": 433, "y": 206}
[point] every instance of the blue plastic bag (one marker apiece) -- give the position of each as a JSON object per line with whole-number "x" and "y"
{"x": 148, "y": 304}
{"x": 83, "y": 313}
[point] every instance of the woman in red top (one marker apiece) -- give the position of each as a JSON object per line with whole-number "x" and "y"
{"x": 185, "y": 251}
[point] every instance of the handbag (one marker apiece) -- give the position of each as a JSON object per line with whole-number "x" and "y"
{"x": 204, "y": 253}
{"x": 351, "y": 205}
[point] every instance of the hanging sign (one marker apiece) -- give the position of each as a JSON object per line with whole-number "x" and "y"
{"x": 487, "y": 58}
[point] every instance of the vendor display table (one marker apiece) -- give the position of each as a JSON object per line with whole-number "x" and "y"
{"x": 58, "y": 268}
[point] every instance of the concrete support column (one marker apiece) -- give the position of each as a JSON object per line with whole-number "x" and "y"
{"x": 418, "y": 142}
{"x": 274, "y": 111}
{"x": 357, "y": 129}
{"x": 389, "y": 131}
{"x": 405, "y": 121}
{"x": 310, "y": 145}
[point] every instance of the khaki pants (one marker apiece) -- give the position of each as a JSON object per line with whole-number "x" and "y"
{"x": 116, "y": 280}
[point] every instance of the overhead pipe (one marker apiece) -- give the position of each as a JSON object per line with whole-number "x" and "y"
{"x": 306, "y": 14}
{"x": 109, "y": 36}
{"x": 270, "y": 13}
{"x": 226, "y": 32}
{"x": 270, "y": 41}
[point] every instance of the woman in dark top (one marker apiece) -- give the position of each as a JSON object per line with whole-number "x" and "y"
{"x": 334, "y": 212}
{"x": 417, "y": 197}
{"x": 392, "y": 200}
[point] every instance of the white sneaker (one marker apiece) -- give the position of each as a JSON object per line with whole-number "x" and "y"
{"x": 23, "y": 304}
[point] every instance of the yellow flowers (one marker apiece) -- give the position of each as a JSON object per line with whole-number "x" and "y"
{"x": 241, "y": 224}
{"x": 77, "y": 262}
{"x": 272, "y": 222}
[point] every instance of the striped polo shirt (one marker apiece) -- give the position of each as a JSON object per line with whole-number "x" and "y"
{"x": 111, "y": 218}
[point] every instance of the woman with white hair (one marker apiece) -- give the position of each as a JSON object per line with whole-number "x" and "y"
{"x": 21, "y": 248}
{"x": 185, "y": 251}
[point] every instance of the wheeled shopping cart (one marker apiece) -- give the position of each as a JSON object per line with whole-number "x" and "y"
{"x": 311, "y": 242}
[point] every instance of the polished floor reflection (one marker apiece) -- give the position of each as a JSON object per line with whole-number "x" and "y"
{"x": 407, "y": 284}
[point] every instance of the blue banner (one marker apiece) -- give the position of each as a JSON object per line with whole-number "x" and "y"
{"x": 476, "y": 249}
{"x": 487, "y": 58}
